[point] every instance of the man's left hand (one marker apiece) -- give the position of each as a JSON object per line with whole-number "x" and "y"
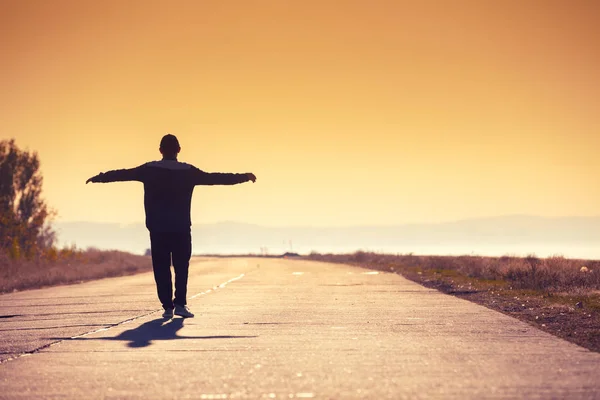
{"x": 93, "y": 179}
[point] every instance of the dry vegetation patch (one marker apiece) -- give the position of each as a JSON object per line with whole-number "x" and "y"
{"x": 29, "y": 257}
{"x": 59, "y": 267}
{"x": 558, "y": 295}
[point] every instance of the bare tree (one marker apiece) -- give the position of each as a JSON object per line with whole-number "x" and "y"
{"x": 24, "y": 215}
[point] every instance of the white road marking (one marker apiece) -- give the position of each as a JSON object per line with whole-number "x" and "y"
{"x": 222, "y": 285}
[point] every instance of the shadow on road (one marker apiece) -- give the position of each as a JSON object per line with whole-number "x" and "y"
{"x": 157, "y": 329}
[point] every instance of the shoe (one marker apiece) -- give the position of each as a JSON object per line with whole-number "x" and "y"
{"x": 183, "y": 311}
{"x": 168, "y": 313}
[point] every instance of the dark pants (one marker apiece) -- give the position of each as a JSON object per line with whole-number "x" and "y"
{"x": 166, "y": 246}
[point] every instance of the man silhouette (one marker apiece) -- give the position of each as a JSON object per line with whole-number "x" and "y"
{"x": 168, "y": 188}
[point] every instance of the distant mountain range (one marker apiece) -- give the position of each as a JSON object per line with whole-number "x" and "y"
{"x": 515, "y": 234}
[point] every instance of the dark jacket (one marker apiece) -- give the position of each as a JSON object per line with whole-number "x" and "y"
{"x": 168, "y": 188}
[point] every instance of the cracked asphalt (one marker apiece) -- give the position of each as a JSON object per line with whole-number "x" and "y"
{"x": 275, "y": 328}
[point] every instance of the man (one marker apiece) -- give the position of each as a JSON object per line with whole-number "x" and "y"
{"x": 168, "y": 187}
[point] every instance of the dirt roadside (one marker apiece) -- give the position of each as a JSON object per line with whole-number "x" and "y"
{"x": 567, "y": 316}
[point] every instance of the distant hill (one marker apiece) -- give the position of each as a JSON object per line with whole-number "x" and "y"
{"x": 516, "y": 234}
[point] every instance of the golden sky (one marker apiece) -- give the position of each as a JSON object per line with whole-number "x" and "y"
{"x": 349, "y": 112}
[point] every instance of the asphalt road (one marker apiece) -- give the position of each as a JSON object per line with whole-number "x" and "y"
{"x": 285, "y": 329}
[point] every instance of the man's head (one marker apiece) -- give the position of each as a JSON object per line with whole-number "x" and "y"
{"x": 169, "y": 146}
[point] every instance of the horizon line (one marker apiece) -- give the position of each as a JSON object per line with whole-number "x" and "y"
{"x": 467, "y": 219}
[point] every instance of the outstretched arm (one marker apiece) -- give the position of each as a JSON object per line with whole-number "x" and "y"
{"x": 118, "y": 175}
{"x": 217, "y": 178}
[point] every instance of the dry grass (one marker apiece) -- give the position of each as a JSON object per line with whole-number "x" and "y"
{"x": 553, "y": 274}
{"x": 65, "y": 266}
{"x": 555, "y": 294}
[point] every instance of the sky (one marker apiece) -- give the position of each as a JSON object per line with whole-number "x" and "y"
{"x": 348, "y": 112}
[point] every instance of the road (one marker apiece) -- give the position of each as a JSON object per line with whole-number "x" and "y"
{"x": 284, "y": 329}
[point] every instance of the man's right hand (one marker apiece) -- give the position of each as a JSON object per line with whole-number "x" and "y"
{"x": 251, "y": 177}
